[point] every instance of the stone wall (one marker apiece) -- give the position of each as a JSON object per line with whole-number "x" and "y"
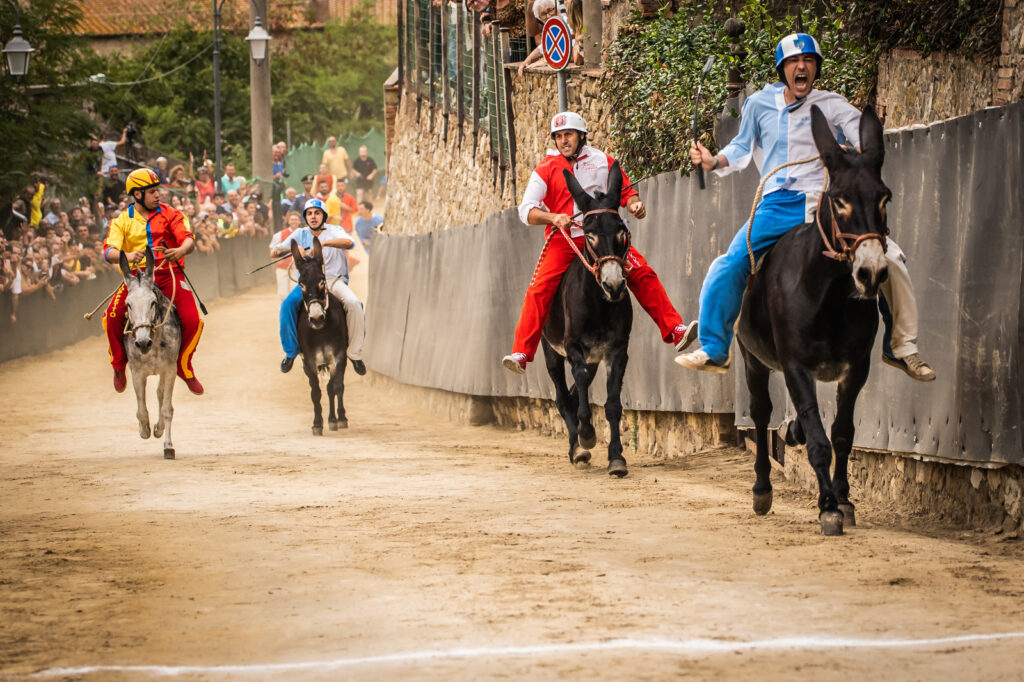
{"x": 916, "y": 89}
{"x": 435, "y": 184}
{"x": 1010, "y": 81}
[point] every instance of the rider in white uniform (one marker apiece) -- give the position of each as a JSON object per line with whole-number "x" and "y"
{"x": 335, "y": 243}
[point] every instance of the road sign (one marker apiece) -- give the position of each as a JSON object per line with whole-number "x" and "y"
{"x": 556, "y": 43}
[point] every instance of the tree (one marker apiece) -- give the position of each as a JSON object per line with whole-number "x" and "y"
{"x": 43, "y": 124}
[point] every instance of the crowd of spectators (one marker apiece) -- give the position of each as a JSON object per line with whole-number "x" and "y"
{"x": 49, "y": 242}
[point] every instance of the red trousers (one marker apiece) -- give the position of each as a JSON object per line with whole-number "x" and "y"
{"x": 555, "y": 259}
{"x": 191, "y": 325}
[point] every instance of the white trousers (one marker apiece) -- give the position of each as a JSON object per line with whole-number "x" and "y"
{"x": 284, "y": 283}
{"x": 899, "y": 294}
{"x": 353, "y": 315}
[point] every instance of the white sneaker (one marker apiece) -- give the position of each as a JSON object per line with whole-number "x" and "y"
{"x": 515, "y": 363}
{"x": 700, "y": 360}
{"x": 913, "y": 365}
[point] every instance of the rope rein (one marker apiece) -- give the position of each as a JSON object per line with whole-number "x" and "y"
{"x": 170, "y": 302}
{"x": 757, "y": 200}
{"x": 593, "y": 269}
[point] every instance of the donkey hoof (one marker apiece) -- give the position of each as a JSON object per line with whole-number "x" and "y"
{"x": 617, "y": 467}
{"x": 318, "y": 430}
{"x": 342, "y": 423}
{"x": 158, "y": 430}
{"x": 143, "y": 431}
{"x": 792, "y": 433}
{"x": 332, "y": 425}
{"x": 849, "y": 517}
{"x": 762, "y": 503}
{"x": 831, "y": 523}
{"x": 168, "y": 453}
{"x": 581, "y": 460}
{"x": 588, "y": 441}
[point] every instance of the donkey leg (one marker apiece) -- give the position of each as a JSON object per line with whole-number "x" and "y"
{"x": 613, "y": 413}
{"x": 842, "y": 434}
{"x": 761, "y": 412}
{"x": 142, "y": 413}
{"x": 555, "y": 365}
{"x": 581, "y": 377}
{"x": 801, "y": 388}
{"x": 332, "y": 420}
{"x": 315, "y": 395}
{"x": 338, "y": 381}
{"x": 165, "y": 391}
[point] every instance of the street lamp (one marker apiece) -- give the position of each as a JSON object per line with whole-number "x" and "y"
{"x": 258, "y": 40}
{"x": 17, "y": 48}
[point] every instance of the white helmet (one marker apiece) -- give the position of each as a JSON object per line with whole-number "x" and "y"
{"x": 568, "y": 120}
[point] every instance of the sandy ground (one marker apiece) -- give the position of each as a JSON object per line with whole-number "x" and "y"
{"x": 410, "y": 548}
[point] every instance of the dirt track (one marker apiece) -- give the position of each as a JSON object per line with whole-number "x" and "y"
{"x": 409, "y": 548}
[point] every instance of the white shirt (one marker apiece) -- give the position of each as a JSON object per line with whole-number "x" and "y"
{"x": 108, "y": 155}
{"x": 335, "y": 259}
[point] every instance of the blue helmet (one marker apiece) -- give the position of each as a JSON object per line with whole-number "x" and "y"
{"x": 794, "y": 44}
{"x": 314, "y": 203}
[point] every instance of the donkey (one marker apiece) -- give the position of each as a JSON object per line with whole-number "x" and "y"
{"x": 590, "y": 320}
{"x": 151, "y": 342}
{"x": 813, "y": 315}
{"x": 323, "y": 338}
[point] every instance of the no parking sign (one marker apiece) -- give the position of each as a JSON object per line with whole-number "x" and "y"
{"x": 556, "y": 43}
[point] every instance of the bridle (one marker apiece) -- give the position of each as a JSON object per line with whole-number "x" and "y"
{"x": 327, "y": 295}
{"x": 846, "y": 251}
{"x": 598, "y": 261}
{"x": 129, "y": 327}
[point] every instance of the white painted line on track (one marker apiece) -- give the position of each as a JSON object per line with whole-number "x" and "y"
{"x": 681, "y": 647}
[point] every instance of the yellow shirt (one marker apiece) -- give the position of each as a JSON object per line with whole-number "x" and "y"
{"x": 36, "y": 207}
{"x": 129, "y": 231}
{"x": 337, "y": 161}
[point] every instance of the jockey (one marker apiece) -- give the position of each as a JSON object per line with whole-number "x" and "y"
{"x": 166, "y": 230}
{"x": 547, "y": 201}
{"x": 775, "y": 128}
{"x": 336, "y": 271}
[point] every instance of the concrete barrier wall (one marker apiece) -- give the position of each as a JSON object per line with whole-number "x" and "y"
{"x": 46, "y": 324}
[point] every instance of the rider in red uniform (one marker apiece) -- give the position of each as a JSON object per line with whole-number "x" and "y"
{"x": 547, "y": 201}
{"x": 164, "y": 229}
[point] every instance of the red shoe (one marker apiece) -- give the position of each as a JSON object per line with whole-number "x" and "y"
{"x": 120, "y": 380}
{"x": 194, "y": 385}
{"x": 682, "y": 336}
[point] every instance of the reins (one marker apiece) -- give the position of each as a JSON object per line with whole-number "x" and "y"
{"x": 170, "y": 304}
{"x": 846, "y": 251}
{"x": 598, "y": 260}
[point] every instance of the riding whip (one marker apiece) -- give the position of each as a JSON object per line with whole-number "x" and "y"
{"x": 276, "y": 260}
{"x": 191, "y": 286}
{"x": 696, "y": 111}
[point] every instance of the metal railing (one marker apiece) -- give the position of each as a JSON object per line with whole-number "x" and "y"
{"x": 446, "y": 62}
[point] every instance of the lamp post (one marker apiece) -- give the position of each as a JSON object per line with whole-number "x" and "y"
{"x": 259, "y": 98}
{"x": 217, "y": 6}
{"x": 17, "y": 50}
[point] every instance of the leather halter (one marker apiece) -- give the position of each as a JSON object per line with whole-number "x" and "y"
{"x": 847, "y": 251}
{"x": 598, "y": 260}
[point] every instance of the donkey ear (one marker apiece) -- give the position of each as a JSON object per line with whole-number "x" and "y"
{"x": 296, "y": 254}
{"x": 126, "y": 269}
{"x": 318, "y": 250}
{"x": 150, "y": 262}
{"x": 872, "y": 140}
{"x": 824, "y": 140}
{"x": 582, "y": 199}
{"x": 614, "y": 194}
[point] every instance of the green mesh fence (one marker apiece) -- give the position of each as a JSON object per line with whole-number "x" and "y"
{"x": 305, "y": 158}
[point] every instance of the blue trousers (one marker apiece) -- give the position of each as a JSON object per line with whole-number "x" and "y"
{"x": 289, "y": 322}
{"x": 722, "y": 293}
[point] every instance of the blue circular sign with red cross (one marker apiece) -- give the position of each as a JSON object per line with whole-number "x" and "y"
{"x": 556, "y": 43}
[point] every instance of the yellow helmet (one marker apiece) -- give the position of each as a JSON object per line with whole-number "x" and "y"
{"x": 140, "y": 178}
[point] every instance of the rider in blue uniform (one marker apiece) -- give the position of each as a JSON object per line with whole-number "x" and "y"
{"x": 776, "y": 128}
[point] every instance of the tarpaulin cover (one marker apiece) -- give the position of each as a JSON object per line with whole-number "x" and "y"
{"x": 444, "y": 305}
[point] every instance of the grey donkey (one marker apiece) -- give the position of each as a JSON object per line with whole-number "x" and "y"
{"x": 151, "y": 341}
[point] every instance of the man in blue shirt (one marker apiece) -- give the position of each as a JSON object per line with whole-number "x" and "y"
{"x": 335, "y": 242}
{"x": 776, "y": 128}
{"x": 366, "y": 222}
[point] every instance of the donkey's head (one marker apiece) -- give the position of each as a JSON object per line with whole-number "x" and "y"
{"x": 607, "y": 237}
{"x": 854, "y": 204}
{"x": 313, "y": 283}
{"x": 142, "y": 301}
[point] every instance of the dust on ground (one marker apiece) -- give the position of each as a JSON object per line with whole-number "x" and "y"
{"x": 377, "y": 551}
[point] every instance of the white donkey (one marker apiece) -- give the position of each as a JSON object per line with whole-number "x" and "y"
{"x": 151, "y": 341}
